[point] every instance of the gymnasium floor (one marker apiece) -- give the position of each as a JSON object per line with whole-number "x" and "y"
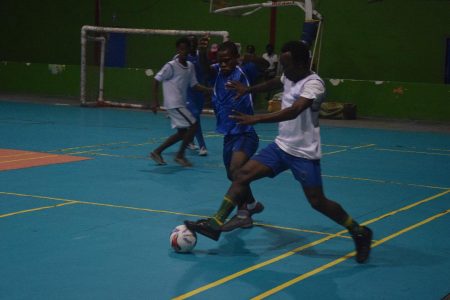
{"x": 84, "y": 214}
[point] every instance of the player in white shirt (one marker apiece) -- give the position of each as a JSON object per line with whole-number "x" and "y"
{"x": 271, "y": 71}
{"x": 297, "y": 147}
{"x": 272, "y": 59}
{"x": 176, "y": 76}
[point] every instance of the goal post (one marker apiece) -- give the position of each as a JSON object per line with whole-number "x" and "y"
{"x": 99, "y": 34}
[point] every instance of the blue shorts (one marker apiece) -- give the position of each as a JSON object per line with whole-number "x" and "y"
{"x": 247, "y": 142}
{"x": 306, "y": 171}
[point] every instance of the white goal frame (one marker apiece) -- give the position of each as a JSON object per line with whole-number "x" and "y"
{"x": 85, "y": 30}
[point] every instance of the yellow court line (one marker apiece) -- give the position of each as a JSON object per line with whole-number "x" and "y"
{"x": 162, "y": 211}
{"x": 445, "y": 150}
{"x": 411, "y": 151}
{"x": 297, "y": 229}
{"x": 345, "y": 257}
{"x": 120, "y": 156}
{"x": 386, "y": 181}
{"x": 102, "y": 204}
{"x": 36, "y": 209}
{"x": 87, "y": 146}
{"x": 296, "y": 250}
{"x": 350, "y": 148}
{"x": 85, "y": 152}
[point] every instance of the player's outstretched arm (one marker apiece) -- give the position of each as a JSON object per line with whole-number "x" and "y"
{"x": 155, "y": 102}
{"x": 202, "y": 88}
{"x": 241, "y": 89}
{"x": 285, "y": 114}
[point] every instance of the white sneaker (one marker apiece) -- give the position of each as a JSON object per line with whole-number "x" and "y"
{"x": 192, "y": 146}
{"x": 202, "y": 151}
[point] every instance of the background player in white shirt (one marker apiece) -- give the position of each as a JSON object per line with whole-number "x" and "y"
{"x": 176, "y": 76}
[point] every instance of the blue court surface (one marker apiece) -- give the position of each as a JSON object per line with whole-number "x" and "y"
{"x": 98, "y": 228}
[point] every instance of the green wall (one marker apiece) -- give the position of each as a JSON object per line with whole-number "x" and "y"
{"x": 400, "y": 41}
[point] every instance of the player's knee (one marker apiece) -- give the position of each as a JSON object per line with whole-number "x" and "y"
{"x": 316, "y": 199}
{"x": 232, "y": 173}
{"x": 316, "y": 203}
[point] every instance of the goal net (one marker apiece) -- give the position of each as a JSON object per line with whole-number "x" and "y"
{"x": 118, "y": 64}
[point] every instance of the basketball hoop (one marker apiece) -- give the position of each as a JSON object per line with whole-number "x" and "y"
{"x": 244, "y": 8}
{"x": 312, "y": 26}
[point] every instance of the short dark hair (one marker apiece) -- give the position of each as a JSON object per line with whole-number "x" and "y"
{"x": 299, "y": 51}
{"x": 230, "y": 46}
{"x": 183, "y": 40}
{"x": 250, "y": 49}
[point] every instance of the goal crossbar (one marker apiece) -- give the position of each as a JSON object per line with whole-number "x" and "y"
{"x": 86, "y": 29}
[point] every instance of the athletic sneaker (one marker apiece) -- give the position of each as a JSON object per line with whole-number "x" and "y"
{"x": 183, "y": 161}
{"x": 192, "y": 146}
{"x": 202, "y": 226}
{"x": 243, "y": 219}
{"x": 157, "y": 158}
{"x": 363, "y": 240}
{"x": 202, "y": 151}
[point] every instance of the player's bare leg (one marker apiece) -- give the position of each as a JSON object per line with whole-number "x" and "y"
{"x": 188, "y": 135}
{"x": 156, "y": 154}
{"x": 235, "y": 196}
{"x": 362, "y": 236}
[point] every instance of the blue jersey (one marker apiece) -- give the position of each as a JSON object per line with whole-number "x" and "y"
{"x": 225, "y": 103}
{"x": 196, "y": 99}
{"x": 252, "y": 72}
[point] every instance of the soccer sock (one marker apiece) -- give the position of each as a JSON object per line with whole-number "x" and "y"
{"x": 244, "y": 211}
{"x": 224, "y": 211}
{"x": 352, "y": 226}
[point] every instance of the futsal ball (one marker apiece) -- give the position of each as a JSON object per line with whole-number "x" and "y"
{"x": 182, "y": 240}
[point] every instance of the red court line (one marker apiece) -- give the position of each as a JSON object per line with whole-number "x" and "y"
{"x": 11, "y": 159}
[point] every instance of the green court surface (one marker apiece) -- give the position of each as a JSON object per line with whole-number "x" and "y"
{"x": 99, "y": 228}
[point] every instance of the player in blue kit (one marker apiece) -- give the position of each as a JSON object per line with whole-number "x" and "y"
{"x": 196, "y": 98}
{"x": 240, "y": 141}
{"x": 296, "y": 148}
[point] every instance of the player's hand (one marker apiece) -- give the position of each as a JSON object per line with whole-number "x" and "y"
{"x": 239, "y": 87}
{"x": 204, "y": 42}
{"x": 209, "y": 91}
{"x": 154, "y": 107}
{"x": 243, "y": 119}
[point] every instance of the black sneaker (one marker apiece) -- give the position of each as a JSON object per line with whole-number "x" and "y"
{"x": 363, "y": 240}
{"x": 243, "y": 219}
{"x": 202, "y": 226}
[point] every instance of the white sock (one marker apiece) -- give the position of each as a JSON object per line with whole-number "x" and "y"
{"x": 242, "y": 214}
{"x": 252, "y": 205}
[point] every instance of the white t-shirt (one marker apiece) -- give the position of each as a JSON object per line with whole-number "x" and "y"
{"x": 271, "y": 59}
{"x": 176, "y": 79}
{"x": 300, "y": 137}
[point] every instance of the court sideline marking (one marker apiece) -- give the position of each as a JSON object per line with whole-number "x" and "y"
{"x": 296, "y": 250}
{"x": 345, "y": 257}
{"x": 37, "y": 209}
{"x": 150, "y": 210}
{"x": 247, "y": 270}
